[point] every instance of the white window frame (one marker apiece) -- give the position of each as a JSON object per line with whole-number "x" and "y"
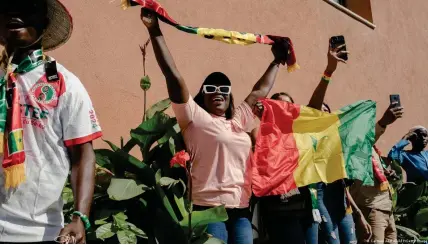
{"x": 350, "y": 13}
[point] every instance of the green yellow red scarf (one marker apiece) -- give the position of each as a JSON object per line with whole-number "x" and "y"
{"x": 230, "y": 37}
{"x": 11, "y": 131}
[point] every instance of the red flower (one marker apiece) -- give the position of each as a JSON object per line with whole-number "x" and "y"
{"x": 180, "y": 158}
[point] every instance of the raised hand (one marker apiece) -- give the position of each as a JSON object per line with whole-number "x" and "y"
{"x": 391, "y": 114}
{"x": 333, "y": 58}
{"x": 149, "y": 19}
{"x": 258, "y": 109}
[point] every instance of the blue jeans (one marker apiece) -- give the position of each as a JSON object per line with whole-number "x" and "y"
{"x": 336, "y": 226}
{"x": 292, "y": 230}
{"x": 237, "y": 229}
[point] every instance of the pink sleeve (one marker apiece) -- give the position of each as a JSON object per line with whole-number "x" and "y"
{"x": 244, "y": 117}
{"x": 188, "y": 112}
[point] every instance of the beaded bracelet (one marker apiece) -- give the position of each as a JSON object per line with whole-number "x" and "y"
{"x": 84, "y": 219}
{"x": 326, "y": 77}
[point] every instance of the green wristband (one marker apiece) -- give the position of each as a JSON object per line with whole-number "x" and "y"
{"x": 84, "y": 219}
{"x": 326, "y": 79}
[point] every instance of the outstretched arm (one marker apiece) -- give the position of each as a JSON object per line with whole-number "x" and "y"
{"x": 263, "y": 86}
{"x": 177, "y": 89}
{"x": 319, "y": 94}
{"x": 390, "y": 116}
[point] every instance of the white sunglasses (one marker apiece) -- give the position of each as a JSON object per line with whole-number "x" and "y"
{"x": 211, "y": 89}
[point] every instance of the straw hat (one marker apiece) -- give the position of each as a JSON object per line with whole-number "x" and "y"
{"x": 60, "y": 26}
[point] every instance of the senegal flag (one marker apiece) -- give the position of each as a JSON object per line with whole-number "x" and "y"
{"x": 297, "y": 146}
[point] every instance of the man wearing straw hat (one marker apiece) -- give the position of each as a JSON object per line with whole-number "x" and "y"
{"x": 47, "y": 124}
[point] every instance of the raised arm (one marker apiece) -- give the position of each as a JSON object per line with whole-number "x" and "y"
{"x": 396, "y": 152}
{"x": 177, "y": 89}
{"x": 332, "y": 59}
{"x": 263, "y": 86}
{"x": 389, "y": 116}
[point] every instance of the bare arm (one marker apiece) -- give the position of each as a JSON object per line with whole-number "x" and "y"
{"x": 263, "y": 86}
{"x": 83, "y": 176}
{"x": 361, "y": 219}
{"x": 390, "y": 116}
{"x": 319, "y": 94}
{"x": 82, "y": 183}
{"x": 177, "y": 89}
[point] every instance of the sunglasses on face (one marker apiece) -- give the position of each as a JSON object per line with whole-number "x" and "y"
{"x": 26, "y": 7}
{"x": 211, "y": 89}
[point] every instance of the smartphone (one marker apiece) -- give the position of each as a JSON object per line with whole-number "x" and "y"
{"x": 395, "y": 98}
{"x": 337, "y": 41}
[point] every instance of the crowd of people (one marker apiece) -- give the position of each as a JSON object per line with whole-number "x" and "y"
{"x": 49, "y": 123}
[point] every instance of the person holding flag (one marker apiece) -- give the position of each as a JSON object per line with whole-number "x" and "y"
{"x": 290, "y": 217}
{"x": 375, "y": 202}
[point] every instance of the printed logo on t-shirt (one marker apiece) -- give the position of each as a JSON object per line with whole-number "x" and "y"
{"x": 35, "y": 116}
{"x": 46, "y": 93}
{"x": 94, "y": 119}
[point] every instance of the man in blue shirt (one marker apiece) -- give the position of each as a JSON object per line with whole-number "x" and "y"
{"x": 414, "y": 161}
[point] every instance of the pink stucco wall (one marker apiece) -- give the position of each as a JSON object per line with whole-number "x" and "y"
{"x": 104, "y": 53}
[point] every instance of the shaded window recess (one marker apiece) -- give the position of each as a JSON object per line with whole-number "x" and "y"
{"x": 358, "y": 9}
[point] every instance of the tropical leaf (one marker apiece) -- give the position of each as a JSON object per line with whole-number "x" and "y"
{"x": 112, "y": 146}
{"x": 105, "y": 231}
{"x": 181, "y": 206}
{"x": 126, "y": 237}
{"x": 103, "y": 157}
{"x": 138, "y": 232}
{"x": 407, "y": 233}
{"x": 67, "y": 195}
{"x": 213, "y": 240}
{"x": 124, "y": 189}
{"x": 205, "y": 217}
{"x": 120, "y": 217}
{"x": 168, "y": 135}
{"x": 200, "y": 231}
{"x": 166, "y": 202}
{"x": 408, "y": 195}
{"x": 160, "y": 106}
{"x": 129, "y": 145}
{"x": 150, "y": 131}
{"x": 421, "y": 218}
{"x": 101, "y": 221}
{"x": 158, "y": 176}
{"x": 166, "y": 181}
{"x": 171, "y": 144}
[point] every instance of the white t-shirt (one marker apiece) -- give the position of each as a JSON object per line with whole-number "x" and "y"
{"x": 55, "y": 115}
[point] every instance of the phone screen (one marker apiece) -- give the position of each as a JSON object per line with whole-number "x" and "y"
{"x": 337, "y": 41}
{"x": 395, "y": 98}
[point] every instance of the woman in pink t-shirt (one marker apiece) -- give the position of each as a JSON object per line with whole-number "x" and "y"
{"x": 215, "y": 133}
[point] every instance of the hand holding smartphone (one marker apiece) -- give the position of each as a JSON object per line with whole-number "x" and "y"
{"x": 395, "y": 99}
{"x": 337, "y": 41}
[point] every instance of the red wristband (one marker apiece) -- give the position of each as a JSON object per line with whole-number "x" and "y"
{"x": 327, "y": 74}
